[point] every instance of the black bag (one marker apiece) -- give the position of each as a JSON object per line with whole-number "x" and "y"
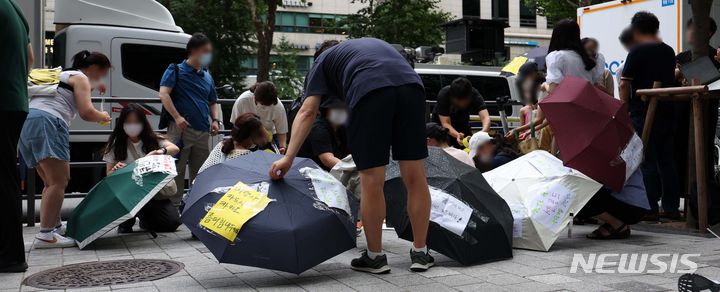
{"x": 165, "y": 117}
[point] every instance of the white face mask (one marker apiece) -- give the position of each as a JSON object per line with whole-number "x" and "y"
{"x": 133, "y": 130}
{"x": 337, "y": 117}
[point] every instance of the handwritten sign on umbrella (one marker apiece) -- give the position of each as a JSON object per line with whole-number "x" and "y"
{"x": 233, "y": 210}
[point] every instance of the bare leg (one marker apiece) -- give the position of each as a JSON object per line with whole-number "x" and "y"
{"x": 372, "y": 206}
{"x": 56, "y": 174}
{"x": 41, "y": 173}
{"x": 413, "y": 174}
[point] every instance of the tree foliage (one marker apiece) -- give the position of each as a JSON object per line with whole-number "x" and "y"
{"x": 409, "y": 23}
{"x": 264, "y": 30}
{"x": 288, "y": 80}
{"x": 227, "y": 23}
{"x": 556, "y": 10}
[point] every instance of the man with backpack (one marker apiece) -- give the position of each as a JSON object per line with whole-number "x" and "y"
{"x": 187, "y": 92}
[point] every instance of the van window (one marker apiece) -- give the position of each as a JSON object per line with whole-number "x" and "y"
{"x": 145, "y": 64}
{"x": 491, "y": 88}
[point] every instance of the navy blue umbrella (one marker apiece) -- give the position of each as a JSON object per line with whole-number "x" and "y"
{"x": 294, "y": 233}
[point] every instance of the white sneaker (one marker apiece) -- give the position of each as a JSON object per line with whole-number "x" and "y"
{"x": 52, "y": 240}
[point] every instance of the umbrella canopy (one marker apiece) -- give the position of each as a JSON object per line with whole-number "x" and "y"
{"x": 118, "y": 197}
{"x": 541, "y": 193}
{"x": 593, "y": 131}
{"x": 470, "y": 223}
{"x": 295, "y": 232}
{"x": 537, "y": 55}
{"x": 514, "y": 65}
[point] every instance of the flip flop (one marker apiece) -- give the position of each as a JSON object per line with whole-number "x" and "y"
{"x": 696, "y": 283}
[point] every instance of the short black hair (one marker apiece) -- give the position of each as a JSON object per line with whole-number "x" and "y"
{"x": 645, "y": 23}
{"x": 626, "y": 37}
{"x": 461, "y": 87}
{"x": 712, "y": 28}
{"x": 324, "y": 46}
{"x": 197, "y": 40}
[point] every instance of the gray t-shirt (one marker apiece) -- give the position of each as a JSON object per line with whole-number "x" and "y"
{"x": 356, "y": 67}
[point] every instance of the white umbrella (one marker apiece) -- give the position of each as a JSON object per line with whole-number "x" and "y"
{"x": 541, "y": 193}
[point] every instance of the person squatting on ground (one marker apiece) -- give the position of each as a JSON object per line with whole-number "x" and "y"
{"x": 386, "y": 102}
{"x": 132, "y": 139}
{"x": 45, "y": 138}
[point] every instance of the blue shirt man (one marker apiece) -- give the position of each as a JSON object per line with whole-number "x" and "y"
{"x": 192, "y": 95}
{"x": 188, "y": 94}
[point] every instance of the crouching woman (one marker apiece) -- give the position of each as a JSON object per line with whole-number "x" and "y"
{"x": 618, "y": 210}
{"x": 133, "y": 138}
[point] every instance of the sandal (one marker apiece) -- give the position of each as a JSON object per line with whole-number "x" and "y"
{"x": 696, "y": 283}
{"x": 621, "y": 232}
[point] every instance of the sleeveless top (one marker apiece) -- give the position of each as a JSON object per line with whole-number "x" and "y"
{"x": 62, "y": 105}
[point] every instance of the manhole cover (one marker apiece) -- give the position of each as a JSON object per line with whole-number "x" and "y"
{"x": 93, "y": 274}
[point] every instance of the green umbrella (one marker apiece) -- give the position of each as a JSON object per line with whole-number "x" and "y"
{"x": 119, "y": 197}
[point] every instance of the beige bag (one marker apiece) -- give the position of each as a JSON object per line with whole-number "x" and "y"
{"x": 168, "y": 191}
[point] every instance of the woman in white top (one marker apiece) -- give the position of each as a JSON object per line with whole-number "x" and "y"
{"x": 132, "y": 139}
{"x": 247, "y": 133}
{"x": 262, "y": 100}
{"x": 566, "y": 57}
{"x": 437, "y": 136}
{"x": 45, "y": 138}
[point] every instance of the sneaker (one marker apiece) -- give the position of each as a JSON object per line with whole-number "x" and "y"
{"x": 364, "y": 263}
{"x": 421, "y": 261}
{"x": 52, "y": 240}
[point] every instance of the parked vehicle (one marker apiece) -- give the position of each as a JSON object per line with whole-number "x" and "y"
{"x": 487, "y": 80}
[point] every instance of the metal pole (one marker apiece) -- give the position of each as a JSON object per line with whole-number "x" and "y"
{"x": 30, "y": 191}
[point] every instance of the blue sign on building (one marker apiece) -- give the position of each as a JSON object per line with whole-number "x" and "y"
{"x": 668, "y": 2}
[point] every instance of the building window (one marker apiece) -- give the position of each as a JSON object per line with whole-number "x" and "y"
{"x": 527, "y": 15}
{"x": 471, "y": 8}
{"x": 500, "y": 9}
{"x": 313, "y": 23}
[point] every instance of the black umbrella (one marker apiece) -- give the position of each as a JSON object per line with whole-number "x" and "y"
{"x": 294, "y": 233}
{"x": 488, "y": 235}
{"x": 537, "y": 55}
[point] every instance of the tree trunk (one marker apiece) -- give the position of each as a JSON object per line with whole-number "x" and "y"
{"x": 264, "y": 34}
{"x": 701, "y": 21}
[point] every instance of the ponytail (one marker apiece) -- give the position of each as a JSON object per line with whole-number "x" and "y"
{"x": 85, "y": 58}
{"x": 246, "y": 126}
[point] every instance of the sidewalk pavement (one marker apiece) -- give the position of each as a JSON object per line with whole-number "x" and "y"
{"x": 527, "y": 271}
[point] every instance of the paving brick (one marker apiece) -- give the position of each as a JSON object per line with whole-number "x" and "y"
{"x": 635, "y": 286}
{"x": 552, "y": 279}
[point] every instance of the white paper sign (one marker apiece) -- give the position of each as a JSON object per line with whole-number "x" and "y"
{"x": 449, "y": 212}
{"x": 328, "y": 189}
{"x": 549, "y": 205}
{"x": 153, "y": 163}
{"x": 632, "y": 155}
{"x": 519, "y": 214}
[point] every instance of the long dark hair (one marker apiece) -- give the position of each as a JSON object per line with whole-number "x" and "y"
{"x": 118, "y": 141}
{"x": 85, "y": 58}
{"x": 437, "y": 132}
{"x": 566, "y": 36}
{"x": 247, "y": 125}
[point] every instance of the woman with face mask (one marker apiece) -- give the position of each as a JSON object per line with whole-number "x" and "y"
{"x": 261, "y": 99}
{"x": 247, "y": 134}
{"x": 326, "y": 144}
{"x": 133, "y": 138}
{"x": 45, "y": 138}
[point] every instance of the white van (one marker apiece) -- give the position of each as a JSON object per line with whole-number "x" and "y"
{"x": 487, "y": 80}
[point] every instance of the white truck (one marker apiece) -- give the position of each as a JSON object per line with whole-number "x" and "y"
{"x": 606, "y": 21}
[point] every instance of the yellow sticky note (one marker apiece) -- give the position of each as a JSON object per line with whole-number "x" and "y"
{"x": 233, "y": 210}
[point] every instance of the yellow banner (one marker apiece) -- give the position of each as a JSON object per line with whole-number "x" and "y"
{"x": 233, "y": 210}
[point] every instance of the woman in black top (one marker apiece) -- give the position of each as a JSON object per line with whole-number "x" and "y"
{"x": 326, "y": 144}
